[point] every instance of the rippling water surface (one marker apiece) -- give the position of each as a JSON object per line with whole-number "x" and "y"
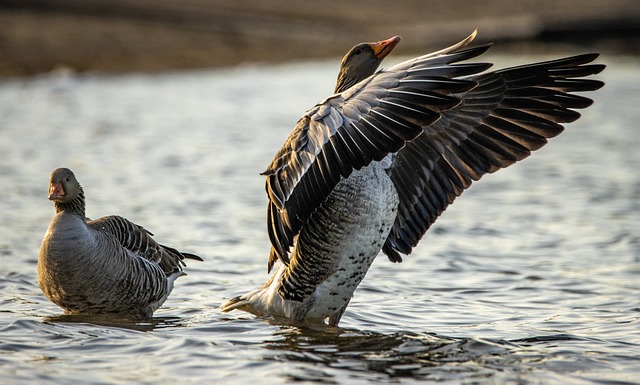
{"x": 531, "y": 277}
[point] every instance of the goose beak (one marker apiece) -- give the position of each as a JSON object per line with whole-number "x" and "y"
{"x": 382, "y": 48}
{"x": 56, "y": 191}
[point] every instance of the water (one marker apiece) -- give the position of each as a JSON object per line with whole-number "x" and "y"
{"x": 531, "y": 277}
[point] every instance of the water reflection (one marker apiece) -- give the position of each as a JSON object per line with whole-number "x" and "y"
{"x": 118, "y": 321}
{"x": 530, "y": 278}
{"x": 398, "y": 355}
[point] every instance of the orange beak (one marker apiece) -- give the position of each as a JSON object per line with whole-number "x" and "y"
{"x": 382, "y": 48}
{"x": 55, "y": 191}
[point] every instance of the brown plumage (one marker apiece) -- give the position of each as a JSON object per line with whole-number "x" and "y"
{"x": 410, "y": 139}
{"x": 107, "y": 265}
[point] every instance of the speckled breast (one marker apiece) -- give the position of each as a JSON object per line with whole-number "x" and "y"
{"x": 342, "y": 239}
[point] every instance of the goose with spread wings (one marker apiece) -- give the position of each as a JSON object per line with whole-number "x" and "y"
{"x": 102, "y": 266}
{"x": 370, "y": 168}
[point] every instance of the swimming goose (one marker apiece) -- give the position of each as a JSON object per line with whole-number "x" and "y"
{"x": 370, "y": 168}
{"x": 107, "y": 265}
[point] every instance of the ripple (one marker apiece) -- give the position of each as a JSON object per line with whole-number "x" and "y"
{"x": 530, "y": 277}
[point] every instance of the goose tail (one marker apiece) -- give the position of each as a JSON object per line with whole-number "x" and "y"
{"x": 257, "y": 302}
{"x": 234, "y": 303}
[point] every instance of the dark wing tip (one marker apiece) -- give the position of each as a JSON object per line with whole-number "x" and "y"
{"x": 391, "y": 253}
{"x": 586, "y": 58}
{"x": 596, "y": 84}
{"x": 273, "y": 257}
{"x": 192, "y": 256}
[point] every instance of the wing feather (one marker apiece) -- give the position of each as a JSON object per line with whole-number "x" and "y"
{"x": 138, "y": 240}
{"x": 349, "y": 130}
{"x": 510, "y": 113}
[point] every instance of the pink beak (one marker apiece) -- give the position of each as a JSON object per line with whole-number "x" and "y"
{"x": 56, "y": 191}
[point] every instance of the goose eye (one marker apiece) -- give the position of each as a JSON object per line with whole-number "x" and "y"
{"x": 67, "y": 179}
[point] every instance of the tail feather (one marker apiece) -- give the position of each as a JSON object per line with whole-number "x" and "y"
{"x": 234, "y": 303}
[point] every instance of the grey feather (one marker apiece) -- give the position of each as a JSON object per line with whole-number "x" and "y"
{"x": 373, "y": 166}
{"x": 107, "y": 265}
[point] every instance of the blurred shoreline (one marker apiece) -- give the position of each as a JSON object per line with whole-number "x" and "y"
{"x": 119, "y": 36}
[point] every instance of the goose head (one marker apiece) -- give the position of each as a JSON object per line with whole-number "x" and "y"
{"x": 63, "y": 186}
{"x": 362, "y": 61}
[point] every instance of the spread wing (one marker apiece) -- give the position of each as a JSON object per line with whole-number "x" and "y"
{"x": 349, "y": 130}
{"x": 511, "y": 113}
{"x": 139, "y": 241}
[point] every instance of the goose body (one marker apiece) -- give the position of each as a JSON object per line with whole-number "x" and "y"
{"x": 333, "y": 253}
{"x": 107, "y": 265}
{"x": 370, "y": 168}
